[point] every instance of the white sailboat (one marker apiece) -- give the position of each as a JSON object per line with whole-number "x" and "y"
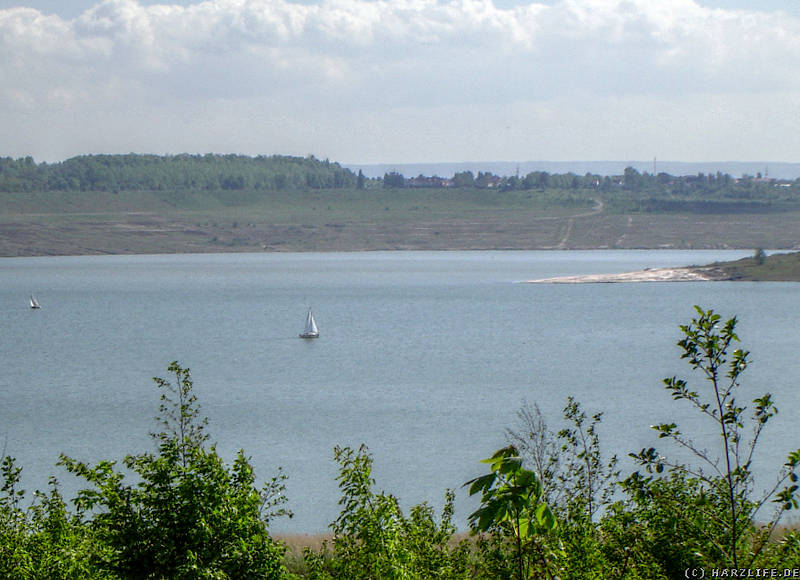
{"x": 34, "y": 302}
{"x": 311, "y": 330}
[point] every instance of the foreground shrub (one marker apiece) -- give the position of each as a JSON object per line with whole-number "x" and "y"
{"x": 374, "y": 539}
{"x": 513, "y": 513}
{"x": 705, "y": 513}
{"x": 42, "y": 541}
{"x": 189, "y": 515}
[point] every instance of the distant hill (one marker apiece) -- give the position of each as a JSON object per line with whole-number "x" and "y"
{"x": 447, "y": 169}
{"x": 134, "y": 172}
{"x": 134, "y": 203}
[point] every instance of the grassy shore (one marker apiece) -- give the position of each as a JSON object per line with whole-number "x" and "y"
{"x": 296, "y": 544}
{"x": 783, "y": 267}
{"x": 81, "y": 223}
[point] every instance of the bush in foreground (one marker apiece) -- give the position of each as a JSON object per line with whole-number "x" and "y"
{"x": 189, "y": 515}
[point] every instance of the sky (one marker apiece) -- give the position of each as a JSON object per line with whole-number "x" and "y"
{"x": 403, "y": 81}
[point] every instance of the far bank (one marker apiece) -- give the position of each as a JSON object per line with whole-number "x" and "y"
{"x": 782, "y": 267}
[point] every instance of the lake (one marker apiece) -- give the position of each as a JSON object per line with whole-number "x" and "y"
{"x": 424, "y": 357}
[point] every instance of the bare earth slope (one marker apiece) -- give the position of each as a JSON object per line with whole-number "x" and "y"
{"x": 52, "y": 223}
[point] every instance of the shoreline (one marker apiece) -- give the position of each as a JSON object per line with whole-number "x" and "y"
{"x": 684, "y": 274}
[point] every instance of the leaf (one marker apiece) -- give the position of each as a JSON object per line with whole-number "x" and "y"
{"x": 545, "y": 517}
{"x": 482, "y": 483}
{"x": 524, "y": 528}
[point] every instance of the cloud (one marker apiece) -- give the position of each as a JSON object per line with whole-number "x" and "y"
{"x": 367, "y": 60}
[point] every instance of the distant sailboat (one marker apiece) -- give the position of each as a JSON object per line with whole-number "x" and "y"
{"x": 311, "y": 330}
{"x": 34, "y": 302}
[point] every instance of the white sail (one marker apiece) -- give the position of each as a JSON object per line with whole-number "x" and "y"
{"x": 311, "y": 330}
{"x": 34, "y": 302}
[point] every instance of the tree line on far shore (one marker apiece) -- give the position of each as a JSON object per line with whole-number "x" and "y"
{"x": 132, "y": 172}
{"x": 215, "y": 172}
{"x": 656, "y": 189}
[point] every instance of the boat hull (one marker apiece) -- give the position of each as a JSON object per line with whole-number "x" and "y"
{"x": 310, "y": 335}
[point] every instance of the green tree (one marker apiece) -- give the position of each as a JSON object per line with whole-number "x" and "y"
{"x": 712, "y": 501}
{"x": 511, "y": 506}
{"x": 394, "y": 179}
{"x": 42, "y": 541}
{"x": 486, "y": 179}
{"x": 577, "y": 483}
{"x": 463, "y": 179}
{"x": 188, "y": 515}
{"x": 633, "y": 180}
{"x": 374, "y": 539}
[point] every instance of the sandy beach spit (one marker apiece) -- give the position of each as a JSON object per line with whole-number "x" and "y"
{"x": 650, "y": 275}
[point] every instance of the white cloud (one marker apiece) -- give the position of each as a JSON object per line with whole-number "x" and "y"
{"x": 312, "y": 72}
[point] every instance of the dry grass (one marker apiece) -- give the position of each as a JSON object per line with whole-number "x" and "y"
{"x": 296, "y": 544}
{"x": 344, "y": 220}
{"x": 785, "y": 528}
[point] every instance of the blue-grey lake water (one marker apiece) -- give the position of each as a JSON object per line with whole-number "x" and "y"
{"x": 425, "y": 357}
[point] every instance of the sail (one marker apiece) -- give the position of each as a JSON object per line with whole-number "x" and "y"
{"x": 311, "y": 325}
{"x": 34, "y": 302}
